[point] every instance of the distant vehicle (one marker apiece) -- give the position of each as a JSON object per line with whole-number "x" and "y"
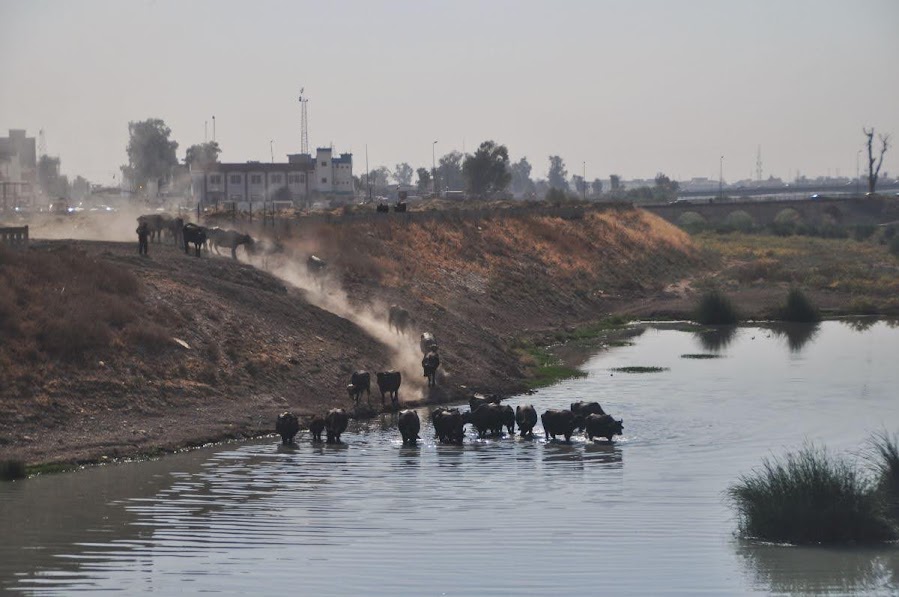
{"x": 815, "y": 196}
{"x": 455, "y": 195}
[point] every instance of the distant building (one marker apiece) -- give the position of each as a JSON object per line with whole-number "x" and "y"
{"x": 297, "y": 181}
{"x": 18, "y": 169}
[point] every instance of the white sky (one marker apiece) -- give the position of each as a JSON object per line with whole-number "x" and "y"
{"x": 629, "y": 87}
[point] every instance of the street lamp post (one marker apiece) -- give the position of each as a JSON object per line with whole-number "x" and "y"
{"x": 721, "y": 177}
{"x": 434, "y": 166}
{"x": 584, "y": 182}
{"x": 858, "y": 174}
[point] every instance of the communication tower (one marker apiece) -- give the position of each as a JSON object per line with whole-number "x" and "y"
{"x": 758, "y": 164}
{"x": 304, "y": 123}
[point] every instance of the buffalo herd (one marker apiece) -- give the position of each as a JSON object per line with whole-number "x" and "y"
{"x": 487, "y": 417}
{"x": 186, "y": 234}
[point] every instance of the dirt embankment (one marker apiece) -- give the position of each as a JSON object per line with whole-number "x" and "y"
{"x": 106, "y": 353}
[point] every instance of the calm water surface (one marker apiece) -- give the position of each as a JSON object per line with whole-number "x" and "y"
{"x": 645, "y": 515}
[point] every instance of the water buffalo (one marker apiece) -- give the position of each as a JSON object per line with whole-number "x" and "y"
{"x": 427, "y": 343}
{"x": 400, "y": 207}
{"x": 389, "y": 383}
{"x": 316, "y": 426}
{"x": 229, "y": 239}
{"x": 603, "y": 426}
{"x": 195, "y": 235}
{"x": 430, "y": 364}
{"x": 508, "y": 418}
{"x": 335, "y": 423}
{"x": 526, "y": 416}
{"x": 360, "y": 382}
{"x": 582, "y": 409}
{"x": 409, "y": 425}
{"x": 156, "y": 223}
{"x": 398, "y": 318}
{"x": 477, "y": 400}
{"x": 287, "y": 426}
{"x": 560, "y": 422}
{"x": 487, "y": 418}
{"x": 448, "y": 425}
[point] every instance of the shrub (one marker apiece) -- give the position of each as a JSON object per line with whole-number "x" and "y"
{"x": 787, "y": 222}
{"x": 894, "y": 245}
{"x": 715, "y": 308}
{"x": 809, "y": 497}
{"x": 692, "y": 222}
{"x": 863, "y": 232}
{"x": 739, "y": 221}
{"x": 798, "y": 308}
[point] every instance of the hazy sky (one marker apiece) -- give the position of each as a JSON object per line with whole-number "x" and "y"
{"x": 629, "y": 87}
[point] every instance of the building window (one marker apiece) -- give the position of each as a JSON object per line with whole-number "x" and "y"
{"x": 215, "y": 179}
{"x": 234, "y": 179}
{"x": 296, "y": 178}
{"x": 275, "y": 178}
{"x": 324, "y": 180}
{"x": 255, "y": 179}
{"x": 324, "y": 163}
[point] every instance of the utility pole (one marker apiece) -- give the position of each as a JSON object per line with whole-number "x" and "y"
{"x": 721, "y": 177}
{"x": 205, "y": 131}
{"x": 434, "y": 166}
{"x": 584, "y": 181}
{"x": 858, "y": 174}
{"x": 367, "y": 173}
{"x": 213, "y": 128}
{"x": 758, "y": 165}
{"x": 271, "y": 148}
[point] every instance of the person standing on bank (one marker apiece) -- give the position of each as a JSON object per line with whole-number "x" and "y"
{"x": 143, "y": 234}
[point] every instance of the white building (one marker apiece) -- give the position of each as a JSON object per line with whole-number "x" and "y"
{"x": 298, "y": 181}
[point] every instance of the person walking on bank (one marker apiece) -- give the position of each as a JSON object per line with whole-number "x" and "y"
{"x": 143, "y": 233}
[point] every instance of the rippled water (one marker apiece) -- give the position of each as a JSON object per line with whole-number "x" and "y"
{"x": 644, "y": 515}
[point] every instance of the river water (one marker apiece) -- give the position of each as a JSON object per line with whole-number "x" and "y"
{"x": 645, "y": 515}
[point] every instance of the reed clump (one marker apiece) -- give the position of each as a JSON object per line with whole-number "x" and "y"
{"x": 716, "y": 308}
{"x": 814, "y": 497}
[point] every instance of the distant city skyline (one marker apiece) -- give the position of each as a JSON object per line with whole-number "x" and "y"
{"x": 630, "y": 88}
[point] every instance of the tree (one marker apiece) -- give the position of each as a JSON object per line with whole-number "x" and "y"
{"x": 521, "y": 178}
{"x": 580, "y": 185}
{"x": 665, "y": 185}
{"x": 596, "y": 187}
{"x": 403, "y": 174}
{"x": 202, "y": 155}
{"x": 874, "y": 173}
{"x": 449, "y": 169}
{"x": 151, "y": 155}
{"x": 424, "y": 180}
{"x": 558, "y": 175}
{"x": 487, "y": 170}
{"x": 615, "y": 182}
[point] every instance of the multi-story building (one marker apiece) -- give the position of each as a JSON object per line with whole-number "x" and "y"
{"x": 298, "y": 181}
{"x": 18, "y": 169}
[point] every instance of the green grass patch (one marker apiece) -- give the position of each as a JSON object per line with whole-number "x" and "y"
{"x": 715, "y": 308}
{"x": 546, "y": 369}
{"x": 639, "y": 369}
{"x": 812, "y": 497}
{"x": 701, "y": 355}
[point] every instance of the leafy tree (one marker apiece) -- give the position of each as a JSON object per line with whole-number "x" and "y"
{"x": 380, "y": 177}
{"x": 202, "y": 155}
{"x": 874, "y": 173}
{"x": 151, "y": 154}
{"x": 596, "y": 187}
{"x": 424, "y": 180}
{"x": 580, "y": 185}
{"x": 615, "y": 182}
{"x": 487, "y": 170}
{"x": 449, "y": 170}
{"x": 665, "y": 189}
{"x": 403, "y": 173}
{"x": 521, "y": 177}
{"x": 558, "y": 175}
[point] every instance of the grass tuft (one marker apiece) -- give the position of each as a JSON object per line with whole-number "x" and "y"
{"x": 886, "y": 464}
{"x": 810, "y": 497}
{"x": 798, "y": 308}
{"x": 716, "y": 308}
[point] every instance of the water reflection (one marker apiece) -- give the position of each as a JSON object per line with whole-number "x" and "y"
{"x": 716, "y": 338}
{"x": 796, "y": 334}
{"x": 819, "y": 570}
{"x": 862, "y": 324}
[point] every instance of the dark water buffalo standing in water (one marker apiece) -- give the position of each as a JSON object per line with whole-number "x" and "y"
{"x": 398, "y": 318}
{"x": 229, "y": 239}
{"x": 476, "y": 401}
{"x": 526, "y": 417}
{"x": 603, "y": 426}
{"x": 508, "y": 418}
{"x": 335, "y": 423}
{"x": 389, "y": 383}
{"x": 487, "y": 418}
{"x": 448, "y": 425}
{"x": 582, "y": 409}
{"x": 409, "y": 425}
{"x": 195, "y": 235}
{"x": 287, "y": 426}
{"x": 430, "y": 364}
{"x": 360, "y": 382}
{"x": 427, "y": 343}
{"x": 316, "y": 426}
{"x": 560, "y": 422}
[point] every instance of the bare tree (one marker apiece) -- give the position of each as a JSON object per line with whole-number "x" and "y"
{"x": 874, "y": 173}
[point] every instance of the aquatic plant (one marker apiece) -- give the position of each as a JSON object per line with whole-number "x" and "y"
{"x": 639, "y": 369}
{"x": 12, "y": 469}
{"x": 798, "y": 308}
{"x": 810, "y": 496}
{"x": 886, "y": 464}
{"x": 715, "y": 308}
{"x": 701, "y": 355}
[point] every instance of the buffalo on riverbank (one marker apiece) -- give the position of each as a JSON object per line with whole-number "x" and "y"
{"x": 429, "y": 364}
{"x": 560, "y": 422}
{"x": 287, "y": 426}
{"x": 335, "y": 423}
{"x": 409, "y": 425}
{"x": 603, "y": 426}
{"x": 487, "y": 418}
{"x": 398, "y": 319}
{"x": 389, "y": 384}
{"x": 316, "y": 426}
{"x": 360, "y": 381}
{"x": 526, "y": 417}
{"x": 448, "y": 425}
{"x": 194, "y": 235}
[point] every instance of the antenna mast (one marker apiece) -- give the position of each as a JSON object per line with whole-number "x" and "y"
{"x": 304, "y": 123}
{"x": 758, "y": 164}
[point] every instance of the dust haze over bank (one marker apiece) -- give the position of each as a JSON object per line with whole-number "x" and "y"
{"x": 118, "y": 225}
{"x": 325, "y": 291}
